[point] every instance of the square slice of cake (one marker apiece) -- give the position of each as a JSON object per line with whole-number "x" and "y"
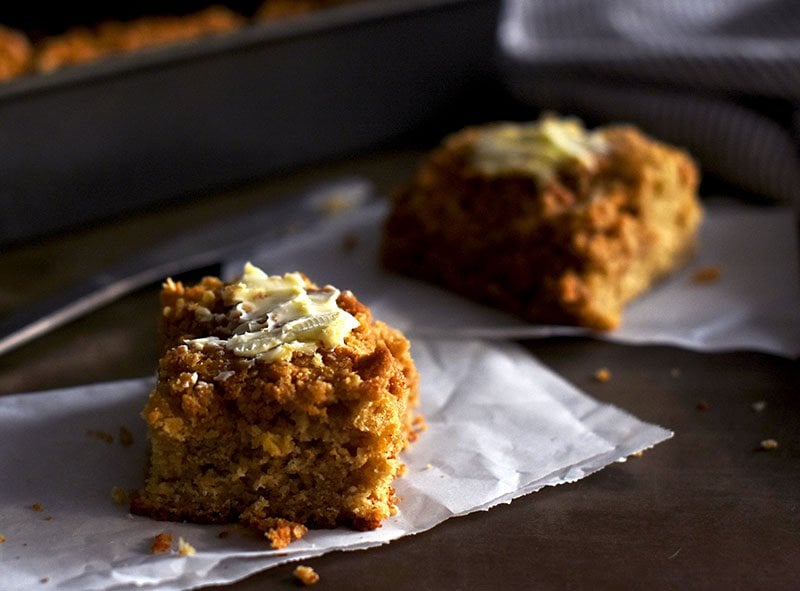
{"x": 278, "y": 403}
{"x": 547, "y": 220}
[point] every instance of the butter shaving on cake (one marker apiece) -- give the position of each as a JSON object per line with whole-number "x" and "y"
{"x": 538, "y": 149}
{"x": 281, "y": 314}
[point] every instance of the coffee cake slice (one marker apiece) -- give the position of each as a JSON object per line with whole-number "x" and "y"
{"x": 547, "y": 220}
{"x": 277, "y": 402}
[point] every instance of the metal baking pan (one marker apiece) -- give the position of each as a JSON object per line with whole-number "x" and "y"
{"x": 131, "y": 132}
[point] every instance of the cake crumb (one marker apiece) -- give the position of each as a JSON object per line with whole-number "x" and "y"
{"x": 342, "y": 200}
{"x": 703, "y": 405}
{"x": 336, "y": 203}
{"x": 37, "y": 507}
{"x": 185, "y": 548}
{"x": 161, "y": 543}
{"x": 119, "y": 495}
{"x": 2, "y": 539}
{"x": 349, "y": 243}
{"x": 284, "y": 532}
{"x": 125, "y": 437}
{"x": 101, "y": 435}
{"x": 44, "y": 580}
{"x": 49, "y": 518}
{"x": 279, "y": 531}
{"x": 418, "y": 425}
{"x": 707, "y": 274}
{"x": 306, "y": 575}
{"x": 602, "y": 375}
{"x": 758, "y": 405}
{"x": 768, "y": 444}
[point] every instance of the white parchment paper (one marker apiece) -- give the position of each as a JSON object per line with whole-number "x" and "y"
{"x": 753, "y": 305}
{"x": 500, "y": 425}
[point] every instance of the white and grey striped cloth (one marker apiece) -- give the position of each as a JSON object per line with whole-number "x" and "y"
{"x": 719, "y": 77}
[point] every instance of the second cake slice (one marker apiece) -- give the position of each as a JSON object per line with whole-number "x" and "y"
{"x": 547, "y": 220}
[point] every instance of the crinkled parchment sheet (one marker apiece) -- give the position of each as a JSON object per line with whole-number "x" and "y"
{"x": 500, "y": 424}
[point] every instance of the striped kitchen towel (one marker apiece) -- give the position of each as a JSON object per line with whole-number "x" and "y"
{"x": 719, "y": 77}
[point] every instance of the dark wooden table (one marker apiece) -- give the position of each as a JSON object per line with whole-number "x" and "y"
{"x": 707, "y": 509}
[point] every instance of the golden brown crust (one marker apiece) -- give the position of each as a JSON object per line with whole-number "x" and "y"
{"x": 277, "y": 9}
{"x": 83, "y": 44}
{"x": 574, "y": 248}
{"x": 314, "y": 440}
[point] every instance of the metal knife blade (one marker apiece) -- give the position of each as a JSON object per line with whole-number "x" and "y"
{"x": 228, "y": 238}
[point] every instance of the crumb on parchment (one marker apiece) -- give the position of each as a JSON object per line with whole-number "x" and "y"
{"x": 279, "y": 531}
{"x": 349, "y": 243}
{"x": 125, "y": 437}
{"x": 103, "y": 436}
{"x": 161, "y": 543}
{"x": 603, "y": 374}
{"x": 306, "y": 575}
{"x": 707, "y": 274}
{"x": 418, "y": 424}
{"x": 119, "y": 495}
{"x": 768, "y": 444}
{"x": 2, "y": 538}
{"x": 185, "y": 548}
{"x": 283, "y": 532}
{"x": 37, "y": 507}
